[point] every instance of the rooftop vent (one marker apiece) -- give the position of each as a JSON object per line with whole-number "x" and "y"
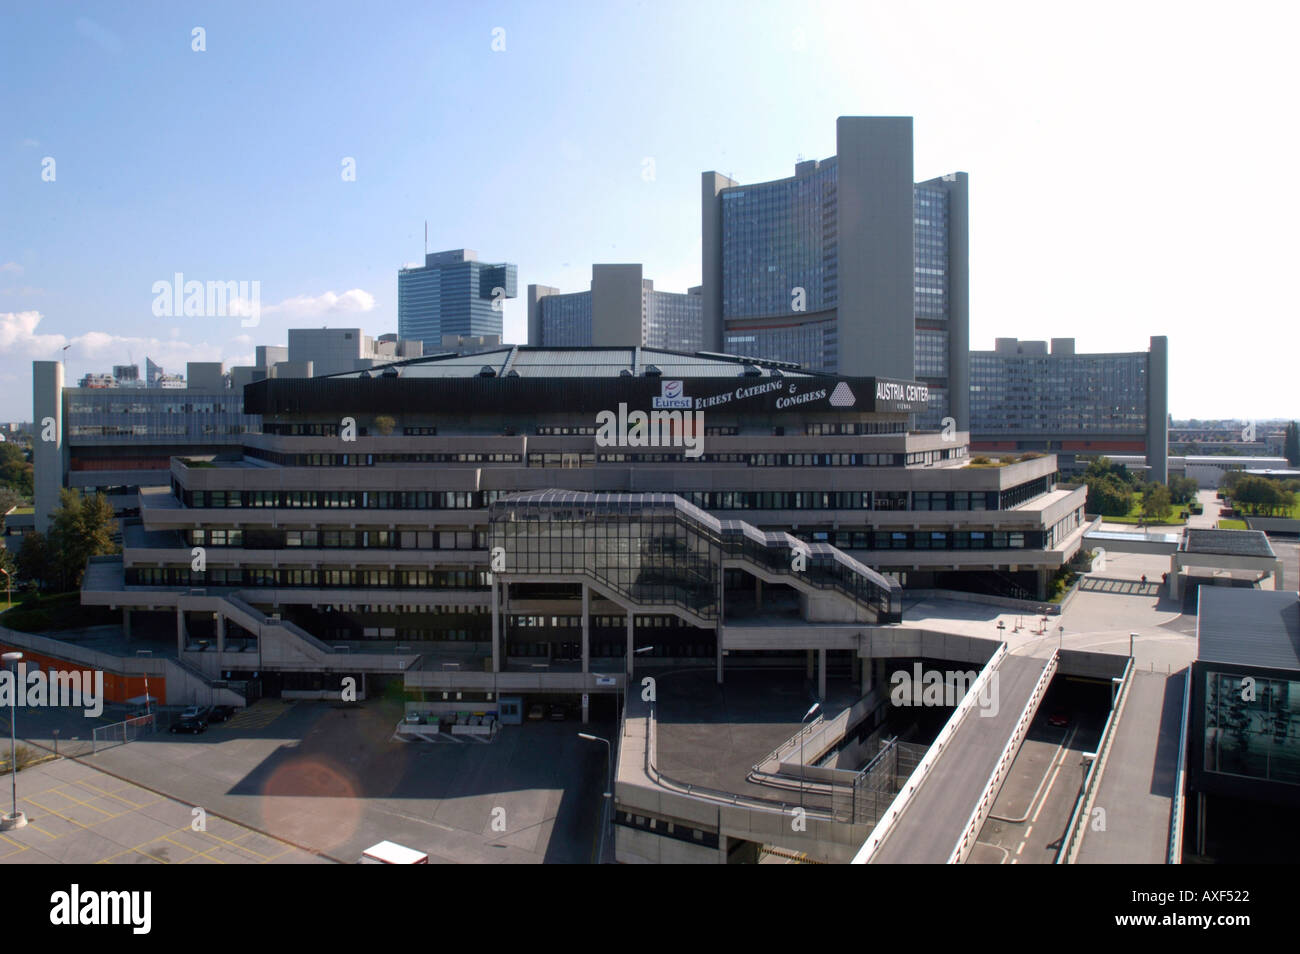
{"x": 512, "y": 373}
{"x": 390, "y": 372}
{"x": 751, "y": 371}
{"x": 625, "y": 373}
{"x": 487, "y": 371}
{"x": 652, "y": 371}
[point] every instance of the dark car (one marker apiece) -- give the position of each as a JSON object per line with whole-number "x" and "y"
{"x": 192, "y": 725}
{"x": 1058, "y": 719}
{"x": 558, "y": 714}
{"x": 220, "y": 713}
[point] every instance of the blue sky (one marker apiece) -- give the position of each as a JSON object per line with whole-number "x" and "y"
{"x": 1128, "y": 165}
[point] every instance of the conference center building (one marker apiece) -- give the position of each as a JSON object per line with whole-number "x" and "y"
{"x": 535, "y": 520}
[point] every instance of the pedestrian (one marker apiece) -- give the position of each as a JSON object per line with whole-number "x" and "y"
{"x": 1144, "y": 579}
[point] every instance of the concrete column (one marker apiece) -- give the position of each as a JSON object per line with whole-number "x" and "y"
{"x": 758, "y": 594}
{"x": 1042, "y": 577}
{"x": 1278, "y": 584}
{"x": 718, "y": 636}
{"x": 496, "y": 630}
{"x": 630, "y": 624}
{"x": 221, "y": 633}
{"x": 181, "y": 632}
{"x": 864, "y": 675}
{"x": 586, "y": 637}
{"x": 126, "y": 624}
{"x": 821, "y": 674}
{"x": 811, "y": 665}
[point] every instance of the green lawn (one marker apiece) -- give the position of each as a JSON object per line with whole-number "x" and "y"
{"x": 1135, "y": 514}
{"x": 1293, "y": 513}
{"x": 1233, "y": 525}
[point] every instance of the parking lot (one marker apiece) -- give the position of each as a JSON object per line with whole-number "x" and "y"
{"x": 331, "y": 781}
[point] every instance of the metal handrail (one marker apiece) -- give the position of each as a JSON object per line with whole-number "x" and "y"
{"x": 1179, "y": 806}
{"x": 1070, "y": 844}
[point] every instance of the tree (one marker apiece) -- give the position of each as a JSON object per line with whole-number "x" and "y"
{"x": 1182, "y": 489}
{"x": 1291, "y": 444}
{"x": 1155, "y": 503}
{"x": 385, "y": 424}
{"x": 15, "y": 471}
{"x": 34, "y": 562}
{"x": 1109, "y": 497}
{"x": 80, "y": 528}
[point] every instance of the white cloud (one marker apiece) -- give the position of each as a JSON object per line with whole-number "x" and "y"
{"x": 355, "y": 301}
{"x": 11, "y": 268}
{"x": 31, "y": 143}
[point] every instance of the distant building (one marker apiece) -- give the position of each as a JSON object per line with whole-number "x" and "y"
{"x": 117, "y": 440}
{"x": 1025, "y": 397}
{"x": 453, "y": 293}
{"x": 336, "y": 350}
{"x": 622, "y": 309}
{"x": 774, "y": 288}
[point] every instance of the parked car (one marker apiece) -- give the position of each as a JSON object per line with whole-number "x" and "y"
{"x": 558, "y": 714}
{"x": 536, "y": 712}
{"x": 191, "y": 726}
{"x": 1058, "y": 719}
{"x": 191, "y": 712}
{"x": 220, "y": 713}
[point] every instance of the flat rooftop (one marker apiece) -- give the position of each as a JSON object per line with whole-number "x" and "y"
{"x": 1249, "y": 627}
{"x": 1249, "y": 543}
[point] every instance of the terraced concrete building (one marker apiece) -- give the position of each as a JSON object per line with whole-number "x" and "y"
{"x": 530, "y": 519}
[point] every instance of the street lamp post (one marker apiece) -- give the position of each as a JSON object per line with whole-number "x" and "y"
{"x": 15, "y": 819}
{"x": 609, "y": 784}
{"x": 816, "y": 707}
{"x": 1131, "y": 637}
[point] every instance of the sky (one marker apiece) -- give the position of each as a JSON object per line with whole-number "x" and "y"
{"x": 1118, "y": 156}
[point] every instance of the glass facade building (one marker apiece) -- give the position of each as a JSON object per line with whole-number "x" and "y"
{"x": 658, "y": 550}
{"x": 672, "y": 321}
{"x": 668, "y": 320}
{"x": 1042, "y": 395}
{"x": 1253, "y": 734}
{"x": 107, "y": 416}
{"x": 453, "y": 294}
{"x": 778, "y": 237}
{"x": 775, "y": 251}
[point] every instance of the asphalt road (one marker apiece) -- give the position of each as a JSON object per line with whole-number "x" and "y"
{"x": 931, "y": 825}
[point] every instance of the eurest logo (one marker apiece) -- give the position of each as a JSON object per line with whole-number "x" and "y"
{"x": 671, "y": 397}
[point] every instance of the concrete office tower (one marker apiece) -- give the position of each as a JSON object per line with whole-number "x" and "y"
{"x": 1027, "y": 398}
{"x": 49, "y": 452}
{"x": 826, "y": 268}
{"x": 621, "y": 310}
{"x": 335, "y": 350}
{"x": 1158, "y": 409}
{"x": 453, "y": 293}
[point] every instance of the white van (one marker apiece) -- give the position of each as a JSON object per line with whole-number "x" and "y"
{"x": 388, "y": 853}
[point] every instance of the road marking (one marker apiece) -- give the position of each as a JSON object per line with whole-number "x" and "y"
{"x": 1073, "y": 730}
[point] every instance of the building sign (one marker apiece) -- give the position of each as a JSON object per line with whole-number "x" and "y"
{"x": 905, "y": 396}
{"x": 672, "y": 397}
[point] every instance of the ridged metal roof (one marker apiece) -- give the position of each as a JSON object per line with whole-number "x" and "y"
{"x": 530, "y": 362}
{"x": 1249, "y": 627}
